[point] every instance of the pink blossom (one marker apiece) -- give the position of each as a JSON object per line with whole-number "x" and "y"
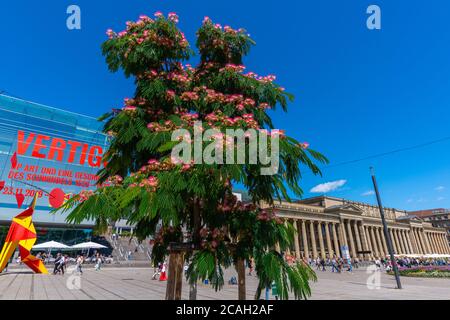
{"x": 173, "y": 17}
{"x": 303, "y": 145}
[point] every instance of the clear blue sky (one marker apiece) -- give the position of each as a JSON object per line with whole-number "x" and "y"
{"x": 358, "y": 92}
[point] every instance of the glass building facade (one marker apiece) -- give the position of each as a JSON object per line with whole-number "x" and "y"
{"x": 51, "y": 152}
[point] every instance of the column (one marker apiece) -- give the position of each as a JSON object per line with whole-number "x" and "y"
{"x": 394, "y": 242}
{"x": 400, "y": 246}
{"x": 305, "y": 240}
{"x": 408, "y": 239}
{"x": 374, "y": 243}
{"x": 447, "y": 245}
{"x": 296, "y": 241}
{"x": 321, "y": 244}
{"x": 403, "y": 234}
{"x": 412, "y": 241}
{"x": 313, "y": 239}
{"x": 350, "y": 237}
{"x": 439, "y": 239}
{"x": 369, "y": 242}
{"x": 383, "y": 241}
{"x": 430, "y": 242}
{"x": 433, "y": 242}
{"x": 342, "y": 236}
{"x": 418, "y": 241}
{"x": 408, "y": 251}
{"x": 426, "y": 242}
{"x": 327, "y": 235}
{"x": 438, "y": 244}
{"x": 427, "y": 237}
{"x": 358, "y": 239}
{"x": 364, "y": 239}
{"x": 441, "y": 242}
{"x": 335, "y": 240}
{"x": 380, "y": 246}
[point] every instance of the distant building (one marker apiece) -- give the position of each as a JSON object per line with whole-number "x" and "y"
{"x": 329, "y": 226}
{"x": 57, "y": 152}
{"x": 439, "y": 218}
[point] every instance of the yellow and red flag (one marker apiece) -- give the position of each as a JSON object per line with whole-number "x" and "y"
{"x": 22, "y": 234}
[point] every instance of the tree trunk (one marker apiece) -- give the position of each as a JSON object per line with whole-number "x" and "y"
{"x": 196, "y": 223}
{"x": 193, "y": 291}
{"x": 179, "y": 275}
{"x": 171, "y": 275}
{"x": 175, "y": 276}
{"x": 240, "y": 267}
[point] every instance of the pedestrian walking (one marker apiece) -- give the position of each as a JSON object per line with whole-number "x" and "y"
{"x": 350, "y": 267}
{"x": 334, "y": 267}
{"x": 58, "y": 261}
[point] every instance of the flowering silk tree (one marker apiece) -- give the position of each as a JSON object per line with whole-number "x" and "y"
{"x": 142, "y": 182}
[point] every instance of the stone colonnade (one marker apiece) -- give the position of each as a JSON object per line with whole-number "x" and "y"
{"x": 365, "y": 240}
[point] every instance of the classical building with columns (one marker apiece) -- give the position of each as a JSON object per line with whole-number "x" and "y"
{"x": 329, "y": 226}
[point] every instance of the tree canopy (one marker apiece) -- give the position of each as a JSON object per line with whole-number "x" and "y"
{"x": 143, "y": 183}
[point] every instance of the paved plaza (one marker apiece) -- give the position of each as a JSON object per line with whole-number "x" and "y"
{"x": 135, "y": 283}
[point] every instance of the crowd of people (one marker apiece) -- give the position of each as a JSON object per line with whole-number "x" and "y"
{"x": 409, "y": 262}
{"x": 61, "y": 262}
{"x": 338, "y": 264}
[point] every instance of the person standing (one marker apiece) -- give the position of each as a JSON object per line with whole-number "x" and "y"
{"x": 322, "y": 264}
{"x": 98, "y": 263}
{"x": 80, "y": 261}
{"x": 250, "y": 267}
{"x": 355, "y": 262}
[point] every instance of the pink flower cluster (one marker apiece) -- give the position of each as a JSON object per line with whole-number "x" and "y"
{"x": 173, "y": 17}
{"x": 264, "y": 79}
{"x": 233, "y": 67}
{"x": 153, "y": 165}
{"x": 189, "y": 96}
{"x": 138, "y": 32}
{"x": 218, "y": 117}
{"x": 182, "y": 78}
{"x": 215, "y": 96}
{"x": 211, "y": 238}
{"x": 129, "y": 108}
{"x": 266, "y": 216}
{"x": 150, "y": 183}
{"x": 303, "y": 145}
{"x": 170, "y": 94}
{"x": 85, "y": 194}
{"x": 117, "y": 179}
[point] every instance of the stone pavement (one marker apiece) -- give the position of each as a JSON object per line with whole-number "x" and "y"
{"x": 135, "y": 283}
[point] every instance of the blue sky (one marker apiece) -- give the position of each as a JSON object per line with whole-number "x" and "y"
{"x": 358, "y": 92}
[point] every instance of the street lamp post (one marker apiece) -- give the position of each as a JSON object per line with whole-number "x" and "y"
{"x": 386, "y": 232}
